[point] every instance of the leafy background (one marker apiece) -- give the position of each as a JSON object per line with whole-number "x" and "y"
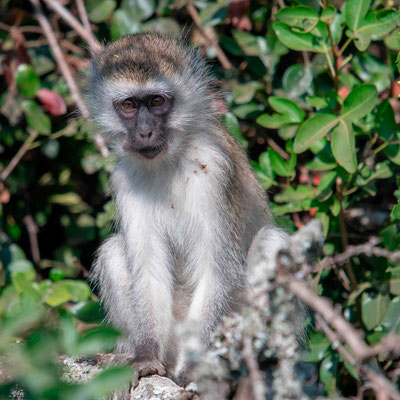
{"x": 311, "y": 93}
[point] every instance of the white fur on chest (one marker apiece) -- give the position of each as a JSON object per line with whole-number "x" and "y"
{"x": 178, "y": 203}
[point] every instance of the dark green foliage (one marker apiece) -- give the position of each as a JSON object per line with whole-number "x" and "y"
{"x": 313, "y": 97}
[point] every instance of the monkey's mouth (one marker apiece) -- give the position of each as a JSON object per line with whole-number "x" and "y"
{"x": 150, "y": 152}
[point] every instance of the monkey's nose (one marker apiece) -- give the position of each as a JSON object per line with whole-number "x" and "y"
{"x": 146, "y": 135}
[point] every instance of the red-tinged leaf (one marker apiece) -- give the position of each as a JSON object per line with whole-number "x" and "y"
{"x": 52, "y": 101}
{"x": 238, "y": 8}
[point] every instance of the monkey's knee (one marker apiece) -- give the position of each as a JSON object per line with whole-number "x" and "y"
{"x": 266, "y": 244}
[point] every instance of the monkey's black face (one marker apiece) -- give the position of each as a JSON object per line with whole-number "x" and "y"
{"x": 145, "y": 120}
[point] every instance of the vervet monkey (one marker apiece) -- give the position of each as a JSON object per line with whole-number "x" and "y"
{"x": 188, "y": 203}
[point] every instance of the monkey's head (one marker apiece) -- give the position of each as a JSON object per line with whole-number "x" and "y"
{"x": 146, "y": 91}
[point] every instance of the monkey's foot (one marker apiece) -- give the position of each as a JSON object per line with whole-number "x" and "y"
{"x": 152, "y": 367}
{"x": 143, "y": 368}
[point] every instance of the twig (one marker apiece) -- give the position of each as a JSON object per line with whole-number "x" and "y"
{"x": 58, "y": 54}
{"x": 389, "y": 344}
{"x": 343, "y": 231}
{"x": 369, "y": 248}
{"x": 83, "y": 15}
{"x": 278, "y": 149}
{"x": 63, "y": 66}
{"x": 378, "y": 381}
{"x": 65, "y": 14}
{"x": 226, "y": 64}
{"x": 85, "y": 272}
{"x": 18, "y": 156}
{"x": 256, "y": 379}
{"x": 342, "y": 332}
{"x": 33, "y": 230}
{"x": 324, "y": 307}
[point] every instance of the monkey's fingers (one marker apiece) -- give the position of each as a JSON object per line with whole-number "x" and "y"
{"x": 152, "y": 367}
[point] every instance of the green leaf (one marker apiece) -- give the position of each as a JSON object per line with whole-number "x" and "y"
{"x": 250, "y": 44}
{"x": 300, "y": 16}
{"x": 28, "y": 82}
{"x": 328, "y": 14}
{"x": 318, "y": 344}
{"x": 265, "y": 181}
{"x": 213, "y": 14}
{"x": 327, "y": 374}
{"x": 394, "y": 282}
{"x": 373, "y": 309}
{"x": 22, "y": 266}
{"x": 395, "y": 214}
{"x": 313, "y": 129}
{"x": 359, "y": 102}
{"x": 100, "y": 10}
{"x": 292, "y": 194}
{"x": 326, "y": 181}
{"x": 290, "y": 113}
{"x": 285, "y": 106}
{"x": 248, "y": 111}
{"x": 378, "y": 23}
{"x": 355, "y": 11}
{"x": 243, "y": 93}
{"x": 138, "y": 10}
{"x": 58, "y": 296}
{"x": 393, "y": 151}
{"x": 88, "y": 311}
{"x": 104, "y": 384}
{"x": 385, "y": 122}
{"x": 279, "y": 165}
{"x": 67, "y": 290}
{"x": 165, "y": 25}
{"x": 297, "y": 41}
{"x": 123, "y": 24}
{"x": 297, "y": 80}
{"x": 36, "y": 118}
{"x": 232, "y": 124}
{"x": 102, "y": 338}
{"x": 344, "y": 146}
{"x": 66, "y": 199}
{"x": 391, "y": 322}
{"x": 273, "y": 121}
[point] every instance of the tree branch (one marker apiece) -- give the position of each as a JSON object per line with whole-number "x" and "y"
{"x": 64, "y": 68}
{"x": 223, "y": 59}
{"x": 85, "y": 34}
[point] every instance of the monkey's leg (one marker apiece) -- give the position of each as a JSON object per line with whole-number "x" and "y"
{"x": 135, "y": 303}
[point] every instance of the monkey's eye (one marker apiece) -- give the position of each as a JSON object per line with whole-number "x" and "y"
{"x": 157, "y": 101}
{"x": 129, "y": 104}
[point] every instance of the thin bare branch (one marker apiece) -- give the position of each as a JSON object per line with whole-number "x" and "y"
{"x": 325, "y": 308}
{"x": 64, "y": 68}
{"x": 369, "y": 248}
{"x": 65, "y": 14}
{"x": 226, "y": 64}
{"x": 256, "y": 378}
{"x": 83, "y": 15}
{"x": 278, "y": 149}
{"x": 377, "y": 380}
{"x": 18, "y": 156}
{"x": 33, "y": 230}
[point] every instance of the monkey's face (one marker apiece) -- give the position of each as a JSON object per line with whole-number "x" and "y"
{"x": 144, "y": 118}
